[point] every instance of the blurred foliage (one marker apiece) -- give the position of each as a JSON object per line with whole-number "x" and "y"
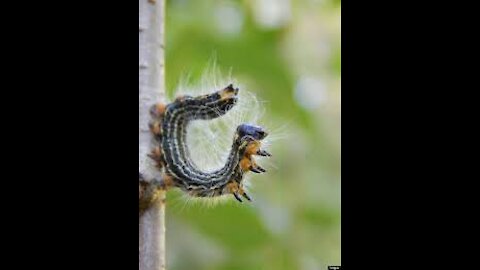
{"x": 288, "y": 53}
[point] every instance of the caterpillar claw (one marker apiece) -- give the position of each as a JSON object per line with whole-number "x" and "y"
{"x": 237, "y": 197}
{"x": 257, "y": 169}
{"x": 263, "y": 153}
{"x": 261, "y": 169}
{"x": 254, "y": 170}
{"x": 244, "y": 194}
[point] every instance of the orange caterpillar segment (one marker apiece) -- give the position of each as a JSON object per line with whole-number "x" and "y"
{"x": 156, "y": 127}
{"x": 168, "y": 181}
{"x": 157, "y": 155}
{"x": 252, "y": 148}
{"x": 158, "y": 110}
{"x": 247, "y": 163}
{"x": 228, "y": 92}
{"x": 263, "y": 153}
{"x": 232, "y": 187}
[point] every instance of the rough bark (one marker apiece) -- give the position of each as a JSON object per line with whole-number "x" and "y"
{"x": 151, "y": 90}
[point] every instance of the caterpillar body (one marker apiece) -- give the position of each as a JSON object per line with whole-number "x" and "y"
{"x": 169, "y": 128}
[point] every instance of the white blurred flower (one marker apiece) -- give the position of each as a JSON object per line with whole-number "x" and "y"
{"x": 229, "y": 18}
{"x": 272, "y": 13}
{"x": 310, "y": 92}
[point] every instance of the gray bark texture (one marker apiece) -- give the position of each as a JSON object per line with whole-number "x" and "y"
{"x": 151, "y": 85}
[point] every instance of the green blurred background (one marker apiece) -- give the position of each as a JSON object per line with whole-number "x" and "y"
{"x": 288, "y": 53}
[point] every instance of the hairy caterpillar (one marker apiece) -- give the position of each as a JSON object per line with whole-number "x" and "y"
{"x": 169, "y": 127}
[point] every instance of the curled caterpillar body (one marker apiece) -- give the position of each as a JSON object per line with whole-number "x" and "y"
{"x": 169, "y": 127}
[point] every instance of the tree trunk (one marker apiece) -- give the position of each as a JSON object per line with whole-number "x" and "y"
{"x": 151, "y": 85}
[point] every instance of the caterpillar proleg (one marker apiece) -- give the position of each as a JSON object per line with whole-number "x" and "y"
{"x": 169, "y": 128}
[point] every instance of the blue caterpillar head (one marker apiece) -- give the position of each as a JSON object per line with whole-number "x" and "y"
{"x": 255, "y": 132}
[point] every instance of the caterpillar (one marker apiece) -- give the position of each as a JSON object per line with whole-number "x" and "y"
{"x": 169, "y": 128}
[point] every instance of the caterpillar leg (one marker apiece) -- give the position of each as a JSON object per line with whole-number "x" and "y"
{"x": 244, "y": 194}
{"x": 248, "y": 164}
{"x": 157, "y": 155}
{"x": 237, "y": 190}
{"x": 168, "y": 181}
{"x": 254, "y": 149}
{"x": 155, "y": 127}
{"x": 263, "y": 153}
{"x": 237, "y": 197}
{"x": 158, "y": 110}
{"x": 257, "y": 169}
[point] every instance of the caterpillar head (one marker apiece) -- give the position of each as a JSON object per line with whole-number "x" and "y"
{"x": 225, "y": 98}
{"x": 248, "y": 138}
{"x": 210, "y": 106}
{"x": 248, "y": 130}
